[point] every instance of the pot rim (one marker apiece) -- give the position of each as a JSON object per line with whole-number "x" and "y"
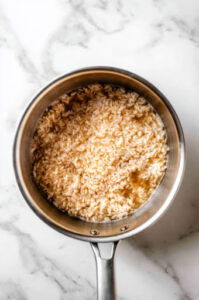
{"x": 169, "y": 199}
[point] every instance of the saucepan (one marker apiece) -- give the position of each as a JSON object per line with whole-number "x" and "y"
{"x": 103, "y": 237}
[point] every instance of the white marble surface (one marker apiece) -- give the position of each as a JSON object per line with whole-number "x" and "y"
{"x": 43, "y": 39}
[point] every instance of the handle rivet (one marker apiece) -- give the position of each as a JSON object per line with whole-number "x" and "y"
{"x": 94, "y": 232}
{"x": 124, "y": 228}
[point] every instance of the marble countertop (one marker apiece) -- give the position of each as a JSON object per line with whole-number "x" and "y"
{"x": 41, "y": 40}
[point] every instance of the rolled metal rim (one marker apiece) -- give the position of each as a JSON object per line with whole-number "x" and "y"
{"x": 169, "y": 199}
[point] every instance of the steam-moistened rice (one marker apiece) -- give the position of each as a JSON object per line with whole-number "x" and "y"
{"x": 99, "y": 152}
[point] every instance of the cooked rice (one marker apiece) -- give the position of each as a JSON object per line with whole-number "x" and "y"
{"x": 99, "y": 152}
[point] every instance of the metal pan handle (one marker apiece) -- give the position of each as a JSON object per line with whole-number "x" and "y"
{"x": 104, "y": 257}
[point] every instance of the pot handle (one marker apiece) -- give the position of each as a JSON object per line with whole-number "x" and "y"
{"x": 104, "y": 257}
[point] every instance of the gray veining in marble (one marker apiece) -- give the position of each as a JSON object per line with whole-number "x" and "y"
{"x": 41, "y": 40}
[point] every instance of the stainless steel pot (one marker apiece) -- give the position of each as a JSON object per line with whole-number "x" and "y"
{"x": 100, "y": 235}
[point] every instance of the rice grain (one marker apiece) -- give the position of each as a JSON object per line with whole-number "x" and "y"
{"x": 99, "y": 152}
